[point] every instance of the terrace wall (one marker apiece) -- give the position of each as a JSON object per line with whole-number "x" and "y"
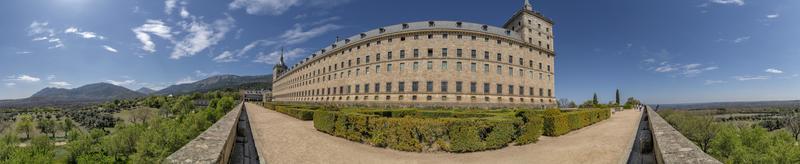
{"x": 671, "y": 146}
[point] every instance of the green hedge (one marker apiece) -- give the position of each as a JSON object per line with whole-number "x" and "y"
{"x": 302, "y": 114}
{"x": 559, "y": 123}
{"x": 324, "y": 121}
{"x": 532, "y": 127}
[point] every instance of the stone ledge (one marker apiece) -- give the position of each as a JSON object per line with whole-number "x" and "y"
{"x": 213, "y": 145}
{"x": 671, "y": 146}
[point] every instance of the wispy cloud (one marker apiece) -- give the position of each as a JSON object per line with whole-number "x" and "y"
{"x": 84, "y": 34}
{"x": 731, "y": 2}
{"x": 229, "y": 56}
{"x": 274, "y": 56}
{"x": 201, "y": 36}
{"x": 23, "y": 78}
{"x": 23, "y": 52}
{"x": 154, "y": 27}
{"x": 186, "y": 80}
{"x": 686, "y": 70}
{"x": 748, "y": 78}
{"x": 169, "y": 5}
{"x": 110, "y": 49}
{"x": 121, "y": 83}
{"x": 278, "y": 7}
{"x": 773, "y": 16}
{"x": 202, "y": 74}
{"x": 298, "y": 35}
{"x": 60, "y": 84}
{"x": 712, "y": 82}
{"x": 773, "y": 70}
{"x": 41, "y": 32}
{"x": 10, "y": 84}
{"x": 735, "y": 40}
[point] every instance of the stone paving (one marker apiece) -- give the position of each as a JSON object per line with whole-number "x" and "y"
{"x": 283, "y": 139}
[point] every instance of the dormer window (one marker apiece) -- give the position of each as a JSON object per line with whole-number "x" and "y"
{"x": 347, "y": 41}
{"x": 382, "y": 30}
{"x": 508, "y": 32}
{"x": 458, "y": 24}
{"x": 405, "y": 26}
{"x": 431, "y": 24}
{"x": 333, "y": 45}
{"x": 485, "y": 27}
{"x": 363, "y": 35}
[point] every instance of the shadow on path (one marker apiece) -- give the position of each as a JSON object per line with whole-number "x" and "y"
{"x": 244, "y": 150}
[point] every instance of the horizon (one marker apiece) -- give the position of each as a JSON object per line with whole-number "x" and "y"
{"x": 672, "y": 52}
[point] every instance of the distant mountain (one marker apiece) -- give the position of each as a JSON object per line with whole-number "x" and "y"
{"x": 87, "y": 94}
{"x": 145, "y": 90}
{"x": 220, "y": 82}
{"x": 787, "y": 104}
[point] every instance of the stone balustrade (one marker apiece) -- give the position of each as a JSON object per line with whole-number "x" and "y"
{"x": 213, "y": 145}
{"x": 671, "y": 147}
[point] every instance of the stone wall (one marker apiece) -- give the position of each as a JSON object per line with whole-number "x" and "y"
{"x": 213, "y": 145}
{"x": 671, "y": 146}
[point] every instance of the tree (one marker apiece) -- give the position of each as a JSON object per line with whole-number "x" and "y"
{"x": 25, "y": 125}
{"x": 792, "y": 124}
{"x": 66, "y": 126}
{"x": 595, "y": 101}
{"x": 572, "y": 104}
{"x": 141, "y": 114}
{"x": 46, "y": 126}
{"x": 617, "y": 97}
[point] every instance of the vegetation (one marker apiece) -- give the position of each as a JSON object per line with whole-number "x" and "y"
{"x": 733, "y": 142}
{"x": 426, "y": 130}
{"x": 149, "y": 138}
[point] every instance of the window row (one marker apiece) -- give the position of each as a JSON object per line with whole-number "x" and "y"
{"x": 415, "y": 98}
{"x": 428, "y": 86}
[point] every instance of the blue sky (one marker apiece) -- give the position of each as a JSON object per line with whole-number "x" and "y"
{"x": 659, "y": 51}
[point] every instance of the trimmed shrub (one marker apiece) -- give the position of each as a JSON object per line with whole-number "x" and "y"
{"x": 302, "y": 114}
{"x": 562, "y": 123}
{"x": 531, "y": 129}
{"x": 324, "y": 121}
{"x": 556, "y": 125}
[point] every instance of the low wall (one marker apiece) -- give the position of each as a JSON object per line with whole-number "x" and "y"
{"x": 213, "y": 145}
{"x": 670, "y": 146}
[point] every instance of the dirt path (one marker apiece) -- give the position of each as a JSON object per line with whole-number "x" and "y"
{"x": 283, "y": 139}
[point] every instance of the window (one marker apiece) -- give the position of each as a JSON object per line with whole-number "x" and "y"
{"x": 429, "y": 86}
{"x": 459, "y": 52}
{"x": 510, "y": 59}
{"x": 357, "y": 71}
{"x": 366, "y": 88}
{"x": 486, "y": 55}
{"x": 474, "y": 37}
{"x": 402, "y": 54}
{"x": 401, "y": 86}
{"x": 401, "y": 66}
{"x": 499, "y": 70}
{"x": 521, "y": 62}
{"x": 549, "y": 93}
{"x": 521, "y": 90}
{"x": 388, "y": 87}
{"x": 366, "y": 71}
{"x": 358, "y": 61}
{"x": 510, "y": 89}
{"x": 530, "y": 91}
{"x": 358, "y": 88}
{"x": 444, "y": 36}
{"x": 378, "y": 57}
{"x": 430, "y": 65}
{"x": 473, "y": 54}
{"x": 486, "y": 88}
{"x": 510, "y": 71}
{"x": 499, "y": 88}
{"x": 458, "y": 66}
{"x": 458, "y": 86}
{"x": 388, "y": 67}
{"x": 444, "y": 86}
{"x": 415, "y": 66}
{"x": 473, "y": 68}
{"x": 485, "y": 68}
{"x": 499, "y": 57}
{"x": 548, "y": 68}
{"x": 472, "y": 87}
{"x": 415, "y": 86}
{"x": 430, "y": 36}
{"x": 416, "y": 53}
{"x": 444, "y": 52}
{"x": 430, "y": 52}
{"x": 389, "y": 55}
{"x": 540, "y": 66}
{"x": 541, "y": 92}
{"x": 444, "y": 65}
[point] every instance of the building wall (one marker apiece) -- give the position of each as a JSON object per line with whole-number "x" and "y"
{"x": 334, "y": 77}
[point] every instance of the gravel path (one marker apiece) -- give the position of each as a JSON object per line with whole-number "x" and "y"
{"x": 283, "y": 139}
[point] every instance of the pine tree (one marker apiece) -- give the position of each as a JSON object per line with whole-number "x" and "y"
{"x": 594, "y": 99}
{"x": 617, "y": 96}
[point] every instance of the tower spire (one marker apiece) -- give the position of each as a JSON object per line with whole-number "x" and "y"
{"x": 281, "y": 62}
{"x": 527, "y": 6}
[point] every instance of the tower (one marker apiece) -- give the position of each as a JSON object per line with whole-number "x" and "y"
{"x": 532, "y": 26}
{"x": 279, "y": 68}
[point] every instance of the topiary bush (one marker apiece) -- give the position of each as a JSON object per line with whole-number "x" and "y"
{"x": 324, "y": 121}
{"x": 532, "y": 127}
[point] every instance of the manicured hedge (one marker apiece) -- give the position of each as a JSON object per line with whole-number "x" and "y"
{"x": 531, "y": 129}
{"x": 559, "y": 123}
{"x": 324, "y": 121}
{"x": 302, "y": 114}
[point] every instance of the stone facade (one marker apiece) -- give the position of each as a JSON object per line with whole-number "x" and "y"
{"x": 431, "y": 63}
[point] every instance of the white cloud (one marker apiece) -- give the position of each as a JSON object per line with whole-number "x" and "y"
{"x": 154, "y": 27}
{"x": 60, "y": 84}
{"x": 741, "y": 39}
{"x": 121, "y": 83}
{"x": 650, "y": 60}
{"x": 37, "y": 28}
{"x": 225, "y": 57}
{"x": 51, "y": 77}
{"x": 712, "y": 82}
{"x": 24, "y": 78}
{"x": 228, "y": 56}
{"x": 297, "y": 35}
{"x": 772, "y": 16}
{"x": 201, "y": 36}
{"x": 733, "y": 2}
{"x": 169, "y": 5}
{"x": 10, "y": 84}
{"x": 278, "y": 7}
{"x": 202, "y": 74}
{"x": 274, "y": 57}
{"x": 773, "y": 70}
{"x": 110, "y": 49}
{"x": 666, "y": 68}
{"x": 84, "y": 34}
{"x": 23, "y": 52}
{"x": 747, "y": 78}
{"x": 687, "y": 70}
{"x": 186, "y": 80}
{"x": 184, "y": 13}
